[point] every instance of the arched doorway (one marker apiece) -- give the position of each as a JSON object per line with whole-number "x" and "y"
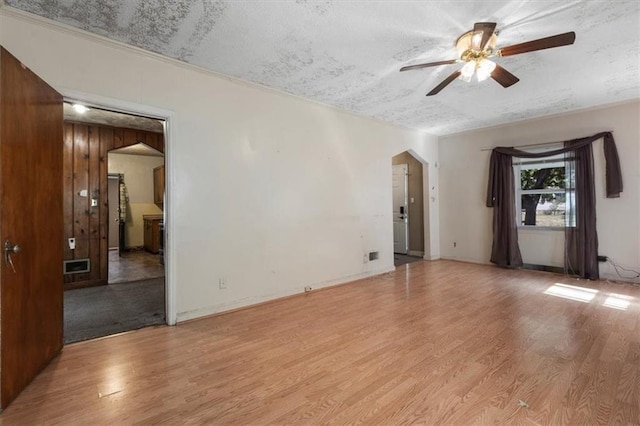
{"x": 410, "y": 208}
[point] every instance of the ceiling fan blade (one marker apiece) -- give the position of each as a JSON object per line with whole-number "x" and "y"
{"x": 504, "y": 77}
{"x": 540, "y": 44}
{"x": 430, "y": 64}
{"x": 486, "y": 29}
{"x": 444, "y": 84}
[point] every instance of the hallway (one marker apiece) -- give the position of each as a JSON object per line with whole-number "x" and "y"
{"x": 134, "y": 266}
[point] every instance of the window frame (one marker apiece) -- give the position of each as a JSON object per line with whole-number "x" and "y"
{"x": 569, "y": 190}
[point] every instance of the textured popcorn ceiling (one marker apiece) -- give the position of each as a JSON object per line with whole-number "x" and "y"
{"x": 348, "y": 53}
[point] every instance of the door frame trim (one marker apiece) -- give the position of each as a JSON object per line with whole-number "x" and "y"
{"x": 120, "y": 178}
{"x": 127, "y": 107}
{"x": 405, "y": 169}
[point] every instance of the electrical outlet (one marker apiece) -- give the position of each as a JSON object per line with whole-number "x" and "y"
{"x": 307, "y": 289}
{"x": 222, "y": 282}
{"x": 72, "y": 243}
{"x": 365, "y": 258}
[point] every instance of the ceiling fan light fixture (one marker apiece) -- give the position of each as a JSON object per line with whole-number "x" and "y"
{"x": 467, "y": 70}
{"x": 466, "y": 79}
{"x": 484, "y": 69}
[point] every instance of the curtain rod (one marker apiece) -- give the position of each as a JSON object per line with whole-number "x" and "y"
{"x": 532, "y": 145}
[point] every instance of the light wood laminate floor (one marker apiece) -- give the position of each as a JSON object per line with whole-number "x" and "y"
{"x": 435, "y": 342}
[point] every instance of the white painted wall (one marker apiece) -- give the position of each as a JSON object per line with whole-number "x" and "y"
{"x": 272, "y": 192}
{"x": 463, "y": 176}
{"x": 138, "y": 176}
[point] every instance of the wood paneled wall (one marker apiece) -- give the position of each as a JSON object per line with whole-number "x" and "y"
{"x": 85, "y": 168}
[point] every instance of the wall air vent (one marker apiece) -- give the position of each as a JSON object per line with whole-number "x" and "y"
{"x": 77, "y": 266}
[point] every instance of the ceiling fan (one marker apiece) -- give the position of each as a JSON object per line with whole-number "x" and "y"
{"x": 476, "y": 46}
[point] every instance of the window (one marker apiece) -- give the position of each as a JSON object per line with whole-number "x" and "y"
{"x": 545, "y": 193}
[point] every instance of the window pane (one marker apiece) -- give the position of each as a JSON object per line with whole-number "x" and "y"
{"x": 570, "y": 209}
{"x": 542, "y": 178}
{"x": 543, "y": 209}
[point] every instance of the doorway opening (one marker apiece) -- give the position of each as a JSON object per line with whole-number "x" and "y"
{"x": 410, "y": 183}
{"x": 114, "y": 217}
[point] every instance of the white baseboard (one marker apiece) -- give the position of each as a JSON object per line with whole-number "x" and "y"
{"x": 465, "y": 259}
{"x": 250, "y": 301}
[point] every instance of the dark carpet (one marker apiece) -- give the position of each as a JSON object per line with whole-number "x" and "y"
{"x": 109, "y": 309}
{"x": 403, "y": 259}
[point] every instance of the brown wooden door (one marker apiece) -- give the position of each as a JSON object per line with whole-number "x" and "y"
{"x": 30, "y": 217}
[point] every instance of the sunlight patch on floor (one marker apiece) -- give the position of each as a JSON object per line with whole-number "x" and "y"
{"x": 572, "y": 292}
{"x": 618, "y": 301}
{"x": 586, "y": 295}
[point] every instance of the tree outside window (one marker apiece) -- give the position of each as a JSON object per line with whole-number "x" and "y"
{"x": 542, "y": 194}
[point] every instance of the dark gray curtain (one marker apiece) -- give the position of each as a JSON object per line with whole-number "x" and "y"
{"x": 501, "y": 196}
{"x": 613, "y": 172}
{"x": 582, "y": 241}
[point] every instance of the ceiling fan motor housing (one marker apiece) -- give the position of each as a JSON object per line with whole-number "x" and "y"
{"x": 465, "y": 46}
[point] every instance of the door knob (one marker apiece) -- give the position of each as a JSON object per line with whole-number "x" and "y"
{"x": 8, "y": 249}
{"x": 11, "y": 249}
